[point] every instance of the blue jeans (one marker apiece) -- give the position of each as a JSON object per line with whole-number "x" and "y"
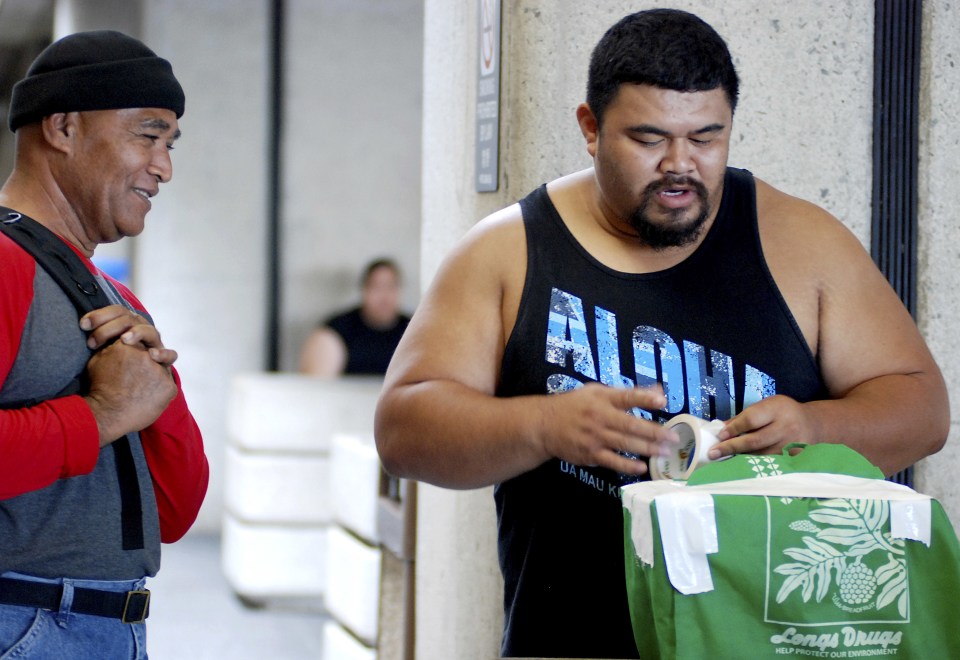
{"x": 35, "y": 634}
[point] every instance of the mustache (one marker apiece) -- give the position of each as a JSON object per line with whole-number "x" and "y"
{"x": 669, "y": 182}
{"x": 659, "y": 235}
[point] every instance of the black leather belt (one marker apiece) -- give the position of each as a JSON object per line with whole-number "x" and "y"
{"x": 128, "y": 606}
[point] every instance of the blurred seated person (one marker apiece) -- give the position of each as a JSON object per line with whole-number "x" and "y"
{"x": 361, "y": 340}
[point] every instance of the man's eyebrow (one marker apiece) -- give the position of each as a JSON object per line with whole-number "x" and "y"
{"x": 157, "y": 124}
{"x": 650, "y": 129}
{"x": 709, "y": 128}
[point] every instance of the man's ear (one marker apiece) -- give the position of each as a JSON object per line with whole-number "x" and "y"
{"x": 59, "y": 130}
{"x": 589, "y": 127}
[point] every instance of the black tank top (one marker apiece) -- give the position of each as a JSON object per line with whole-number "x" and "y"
{"x": 714, "y": 330}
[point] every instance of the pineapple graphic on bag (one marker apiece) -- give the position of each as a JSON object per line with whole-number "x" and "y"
{"x": 857, "y": 584}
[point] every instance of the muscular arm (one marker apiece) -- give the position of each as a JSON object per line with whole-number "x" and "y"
{"x": 887, "y": 399}
{"x": 438, "y": 419}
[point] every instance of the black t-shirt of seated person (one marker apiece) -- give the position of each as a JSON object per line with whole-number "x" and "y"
{"x": 368, "y": 349}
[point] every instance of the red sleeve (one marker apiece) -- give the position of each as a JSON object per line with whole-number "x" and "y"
{"x": 49, "y": 441}
{"x": 174, "y": 450}
{"x": 173, "y": 447}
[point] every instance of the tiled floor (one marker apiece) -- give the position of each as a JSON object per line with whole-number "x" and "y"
{"x": 195, "y": 616}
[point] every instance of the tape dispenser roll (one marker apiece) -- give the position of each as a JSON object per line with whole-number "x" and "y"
{"x": 697, "y": 437}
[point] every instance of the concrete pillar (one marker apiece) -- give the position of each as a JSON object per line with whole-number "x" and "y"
{"x": 457, "y": 579}
{"x": 200, "y": 265}
{"x": 939, "y": 279}
{"x": 804, "y": 125}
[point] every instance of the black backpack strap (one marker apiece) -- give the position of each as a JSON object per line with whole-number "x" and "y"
{"x": 81, "y": 286}
{"x": 57, "y": 259}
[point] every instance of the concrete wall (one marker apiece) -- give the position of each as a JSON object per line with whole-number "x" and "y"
{"x": 803, "y": 124}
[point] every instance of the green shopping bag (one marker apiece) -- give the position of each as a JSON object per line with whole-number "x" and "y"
{"x": 809, "y": 555}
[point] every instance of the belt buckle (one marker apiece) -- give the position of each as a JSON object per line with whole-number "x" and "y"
{"x": 133, "y": 599}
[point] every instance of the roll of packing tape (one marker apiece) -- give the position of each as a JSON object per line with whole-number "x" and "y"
{"x": 697, "y": 437}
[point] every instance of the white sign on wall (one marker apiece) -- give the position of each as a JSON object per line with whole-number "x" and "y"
{"x": 488, "y": 98}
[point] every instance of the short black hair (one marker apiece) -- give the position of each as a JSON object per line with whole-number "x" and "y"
{"x": 381, "y": 262}
{"x": 666, "y": 48}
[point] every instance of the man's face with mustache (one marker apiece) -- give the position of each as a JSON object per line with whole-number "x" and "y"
{"x": 660, "y": 157}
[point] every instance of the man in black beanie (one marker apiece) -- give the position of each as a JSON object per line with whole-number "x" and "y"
{"x": 100, "y": 458}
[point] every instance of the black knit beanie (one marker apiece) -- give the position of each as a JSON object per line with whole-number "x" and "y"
{"x": 98, "y": 70}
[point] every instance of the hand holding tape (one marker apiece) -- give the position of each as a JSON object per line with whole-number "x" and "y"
{"x": 697, "y": 437}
